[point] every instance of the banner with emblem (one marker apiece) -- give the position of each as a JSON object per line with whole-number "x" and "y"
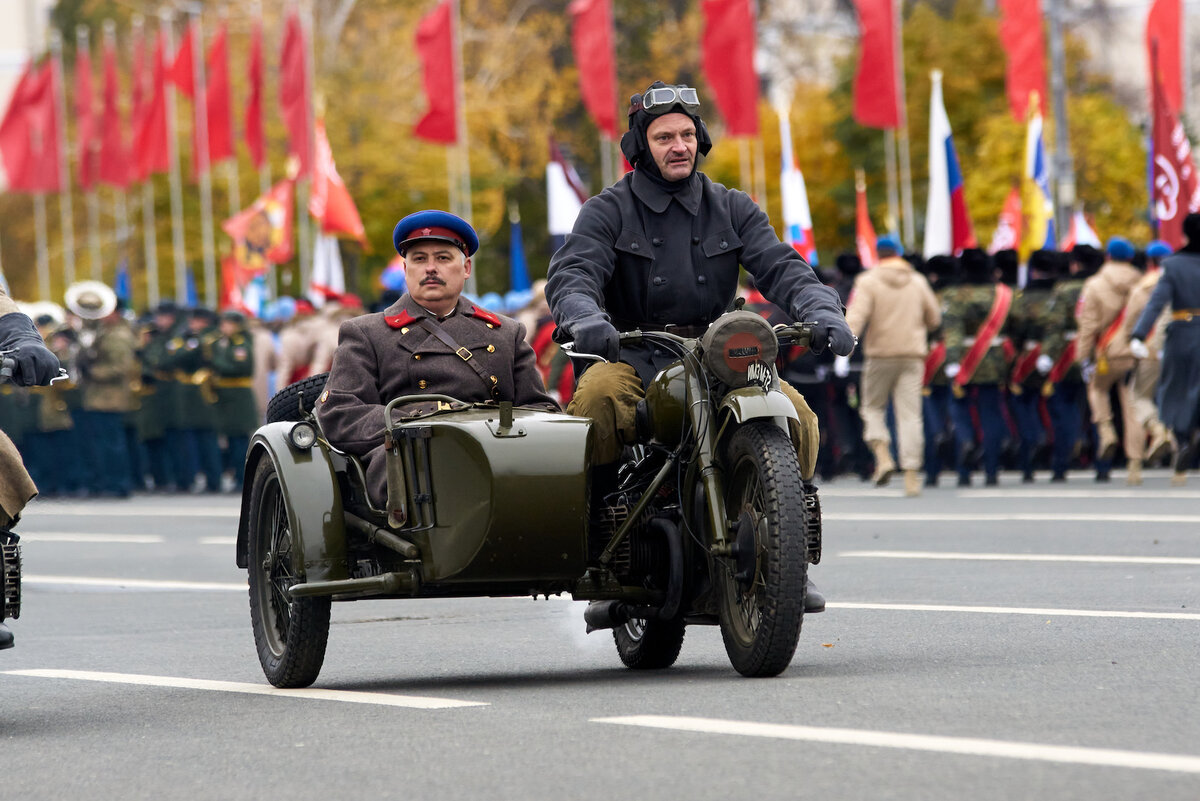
{"x": 262, "y": 236}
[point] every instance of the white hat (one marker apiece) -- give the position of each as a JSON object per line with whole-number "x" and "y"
{"x": 91, "y": 300}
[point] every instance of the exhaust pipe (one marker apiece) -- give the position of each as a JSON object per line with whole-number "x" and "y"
{"x": 610, "y": 614}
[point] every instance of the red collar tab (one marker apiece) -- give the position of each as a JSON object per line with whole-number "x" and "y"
{"x": 484, "y": 315}
{"x": 400, "y": 320}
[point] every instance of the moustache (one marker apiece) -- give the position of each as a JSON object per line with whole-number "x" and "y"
{"x": 433, "y": 279}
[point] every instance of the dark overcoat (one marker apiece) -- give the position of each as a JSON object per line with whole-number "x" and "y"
{"x": 1179, "y": 384}
{"x": 384, "y": 356}
{"x": 232, "y": 360}
{"x": 648, "y": 257}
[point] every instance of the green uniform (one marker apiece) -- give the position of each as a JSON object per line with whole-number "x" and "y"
{"x": 964, "y": 310}
{"x": 232, "y": 361}
{"x": 1064, "y": 328}
{"x": 1034, "y": 314}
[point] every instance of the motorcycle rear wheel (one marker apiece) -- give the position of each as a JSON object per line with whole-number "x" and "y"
{"x": 289, "y": 633}
{"x": 761, "y": 592}
{"x": 649, "y": 644}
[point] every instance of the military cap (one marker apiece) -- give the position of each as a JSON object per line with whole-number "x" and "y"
{"x": 167, "y": 307}
{"x": 433, "y": 224}
{"x": 233, "y": 315}
{"x": 201, "y": 313}
{"x": 1158, "y": 249}
{"x": 1120, "y": 249}
{"x": 91, "y": 300}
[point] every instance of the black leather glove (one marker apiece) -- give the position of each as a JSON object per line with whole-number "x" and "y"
{"x": 831, "y": 331}
{"x": 597, "y": 336}
{"x": 35, "y": 363}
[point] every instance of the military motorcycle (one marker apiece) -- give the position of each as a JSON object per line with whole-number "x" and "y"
{"x": 707, "y": 523}
{"x": 10, "y": 548}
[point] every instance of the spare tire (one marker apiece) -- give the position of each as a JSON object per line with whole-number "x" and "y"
{"x": 292, "y": 403}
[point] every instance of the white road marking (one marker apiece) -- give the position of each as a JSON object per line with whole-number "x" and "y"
{"x": 55, "y": 509}
{"x": 75, "y": 536}
{"x": 969, "y": 746}
{"x": 133, "y": 584}
{"x": 345, "y": 696}
{"x": 1055, "y": 494}
{"x": 1026, "y": 557}
{"x": 1019, "y": 610}
{"x": 218, "y": 540}
{"x": 987, "y": 517}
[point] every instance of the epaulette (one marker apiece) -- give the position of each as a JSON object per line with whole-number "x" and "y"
{"x": 400, "y": 320}
{"x": 485, "y": 315}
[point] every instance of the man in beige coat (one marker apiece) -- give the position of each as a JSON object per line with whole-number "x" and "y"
{"x": 892, "y": 310}
{"x": 1104, "y": 355}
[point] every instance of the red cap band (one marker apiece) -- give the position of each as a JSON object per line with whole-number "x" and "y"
{"x": 435, "y": 232}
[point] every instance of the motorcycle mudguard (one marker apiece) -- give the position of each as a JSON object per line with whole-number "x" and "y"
{"x": 749, "y": 403}
{"x": 313, "y": 499}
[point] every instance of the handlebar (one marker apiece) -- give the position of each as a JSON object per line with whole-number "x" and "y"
{"x": 786, "y": 334}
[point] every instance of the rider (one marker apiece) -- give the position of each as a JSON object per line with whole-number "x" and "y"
{"x": 659, "y": 250}
{"x": 413, "y": 347}
{"x": 34, "y": 363}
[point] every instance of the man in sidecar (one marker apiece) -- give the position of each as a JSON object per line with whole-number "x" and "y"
{"x": 659, "y": 251}
{"x": 429, "y": 341}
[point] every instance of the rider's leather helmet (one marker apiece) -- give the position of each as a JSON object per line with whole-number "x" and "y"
{"x": 658, "y": 99}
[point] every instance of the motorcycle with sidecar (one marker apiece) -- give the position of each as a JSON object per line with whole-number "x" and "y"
{"x": 708, "y": 522}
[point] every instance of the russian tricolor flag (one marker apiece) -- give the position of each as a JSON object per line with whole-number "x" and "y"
{"x": 797, "y": 219}
{"x": 947, "y": 223}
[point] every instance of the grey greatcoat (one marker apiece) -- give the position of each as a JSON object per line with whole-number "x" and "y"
{"x": 648, "y": 257}
{"x": 384, "y": 356}
{"x": 1179, "y": 385}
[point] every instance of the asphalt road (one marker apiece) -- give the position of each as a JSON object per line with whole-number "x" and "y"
{"x": 1025, "y": 642}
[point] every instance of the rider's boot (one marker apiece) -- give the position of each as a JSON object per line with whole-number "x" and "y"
{"x": 6, "y": 637}
{"x": 814, "y": 601}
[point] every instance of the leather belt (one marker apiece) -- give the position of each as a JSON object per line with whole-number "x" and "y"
{"x": 686, "y": 331}
{"x": 1185, "y": 315}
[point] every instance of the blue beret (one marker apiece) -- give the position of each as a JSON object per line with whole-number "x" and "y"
{"x": 433, "y": 224}
{"x": 1120, "y": 248}
{"x": 1158, "y": 249}
{"x": 888, "y": 242}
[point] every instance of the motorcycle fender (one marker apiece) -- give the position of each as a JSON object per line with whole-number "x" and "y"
{"x": 313, "y": 500}
{"x": 749, "y": 403}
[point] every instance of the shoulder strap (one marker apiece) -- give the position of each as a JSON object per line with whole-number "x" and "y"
{"x": 490, "y": 383}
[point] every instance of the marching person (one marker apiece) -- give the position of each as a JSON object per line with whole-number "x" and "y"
{"x": 1104, "y": 359}
{"x": 414, "y": 347}
{"x": 1033, "y": 316}
{"x": 231, "y": 355}
{"x": 892, "y": 310}
{"x": 1179, "y": 387}
{"x": 661, "y": 248}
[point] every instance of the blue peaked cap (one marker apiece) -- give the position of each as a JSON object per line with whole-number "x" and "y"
{"x": 1120, "y": 248}
{"x": 434, "y": 224}
{"x": 1158, "y": 249}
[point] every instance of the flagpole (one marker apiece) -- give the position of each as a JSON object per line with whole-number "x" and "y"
{"x": 304, "y": 187}
{"x": 200, "y": 120}
{"x": 120, "y": 216}
{"x": 82, "y": 45}
{"x": 745, "y": 169}
{"x": 906, "y": 198}
{"x": 43, "y": 257}
{"x": 1064, "y": 166}
{"x": 760, "y": 182}
{"x": 149, "y": 241}
{"x": 65, "y": 205}
{"x": 463, "y": 147}
{"x": 893, "y": 190}
{"x": 164, "y": 20}
{"x": 606, "y": 160}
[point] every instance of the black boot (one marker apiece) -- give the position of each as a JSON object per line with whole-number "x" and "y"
{"x": 6, "y": 636}
{"x": 814, "y": 601}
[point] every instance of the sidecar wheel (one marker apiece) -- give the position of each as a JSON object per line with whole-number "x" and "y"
{"x": 290, "y": 404}
{"x": 761, "y": 588}
{"x": 649, "y": 644}
{"x": 290, "y": 633}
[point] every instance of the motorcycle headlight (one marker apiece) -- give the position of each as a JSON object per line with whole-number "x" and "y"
{"x": 736, "y": 341}
{"x": 302, "y": 436}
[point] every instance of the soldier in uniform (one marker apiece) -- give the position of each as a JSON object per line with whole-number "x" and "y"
{"x": 1143, "y": 381}
{"x": 1104, "y": 359}
{"x": 1032, "y": 317}
{"x": 161, "y": 424}
{"x": 977, "y": 359}
{"x": 53, "y": 432}
{"x": 197, "y": 402}
{"x": 431, "y": 340}
{"x": 232, "y": 358}
{"x": 32, "y": 363}
{"x": 936, "y": 394}
{"x": 107, "y": 365}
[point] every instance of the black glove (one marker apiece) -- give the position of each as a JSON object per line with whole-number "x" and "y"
{"x": 597, "y": 336}
{"x": 832, "y": 331}
{"x": 35, "y": 363}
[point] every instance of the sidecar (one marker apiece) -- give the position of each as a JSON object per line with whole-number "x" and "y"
{"x": 483, "y": 500}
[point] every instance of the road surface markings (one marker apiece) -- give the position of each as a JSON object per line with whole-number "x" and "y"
{"x": 80, "y": 537}
{"x": 968, "y": 746}
{"x": 986, "y": 517}
{"x": 38, "y": 510}
{"x": 133, "y": 584}
{"x": 345, "y": 696}
{"x": 1019, "y": 610}
{"x": 1025, "y": 557}
{"x": 1066, "y": 494}
{"x": 218, "y": 540}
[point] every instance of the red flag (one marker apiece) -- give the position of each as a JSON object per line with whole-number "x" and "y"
{"x": 293, "y": 92}
{"x": 876, "y": 95}
{"x": 139, "y": 84}
{"x": 183, "y": 69}
{"x": 29, "y": 132}
{"x": 1164, "y": 25}
{"x": 728, "y": 47}
{"x": 592, "y": 42}
{"x": 262, "y": 233}
{"x": 85, "y": 119}
{"x": 151, "y": 140}
{"x": 1176, "y": 186}
{"x": 864, "y": 233}
{"x": 330, "y": 202}
{"x": 219, "y": 102}
{"x": 254, "y": 115}
{"x": 435, "y": 46}
{"x": 115, "y": 168}
{"x": 1025, "y": 71}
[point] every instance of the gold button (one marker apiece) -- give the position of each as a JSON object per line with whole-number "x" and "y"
{"x": 417, "y": 356}
{"x": 491, "y": 348}
{"x": 403, "y": 330}
{"x": 421, "y": 383}
{"x": 494, "y": 379}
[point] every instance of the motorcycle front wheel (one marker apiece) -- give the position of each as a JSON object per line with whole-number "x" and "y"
{"x": 762, "y": 586}
{"x": 290, "y": 633}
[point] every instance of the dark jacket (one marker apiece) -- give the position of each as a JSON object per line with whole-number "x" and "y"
{"x": 648, "y": 257}
{"x": 384, "y": 356}
{"x": 1179, "y": 385}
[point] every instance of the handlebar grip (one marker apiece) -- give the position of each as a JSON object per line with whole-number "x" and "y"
{"x": 7, "y": 366}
